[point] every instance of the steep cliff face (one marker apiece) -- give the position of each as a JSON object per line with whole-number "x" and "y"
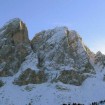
{"x": 61, "y": 47}
{"x": 14, "y": 46}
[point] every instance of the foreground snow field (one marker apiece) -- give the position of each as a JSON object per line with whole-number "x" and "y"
{"x": 93, "y": 89}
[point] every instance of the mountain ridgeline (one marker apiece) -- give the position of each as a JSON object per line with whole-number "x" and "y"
{"x": 54, "y": 55}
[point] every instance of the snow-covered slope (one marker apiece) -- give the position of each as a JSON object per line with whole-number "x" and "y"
{"x": 92, "y": 90}
{"x": 56, "y": 68}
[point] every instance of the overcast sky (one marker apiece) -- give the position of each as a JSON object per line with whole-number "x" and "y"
{"x": 87, "y": 17}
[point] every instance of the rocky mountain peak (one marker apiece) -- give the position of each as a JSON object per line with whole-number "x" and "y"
{"x": 100, "y": 59}
{"x": 99, "y": 53}
{"x": 61, "y": 46}
{"x": 14, "y": 46}
{"x": 16, "y": 30}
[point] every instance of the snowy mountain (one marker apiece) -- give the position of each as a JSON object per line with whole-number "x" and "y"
{"x": 54, "y": 68}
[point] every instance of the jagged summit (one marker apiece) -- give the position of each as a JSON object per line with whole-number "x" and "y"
{"x": 15, "y": 28}
{"x": 13, "y": 21}
{"x": 60, "y": 33}
{"x": 14, "y": 46}
{"x": 61, "y": 45}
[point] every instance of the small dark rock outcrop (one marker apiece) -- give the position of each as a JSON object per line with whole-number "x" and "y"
{"x": 1, "y": 83}
{"x": 30, "y": 77}
{"x": 71, "y": 77}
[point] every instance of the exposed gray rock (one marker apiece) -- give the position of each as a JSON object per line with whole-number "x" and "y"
{"x": 71, "y": 77}
{"x": 14, "y": 46}
{"x": 31, "y": 77}
{"x": 62, "y": 49}
{"x": 59, "y": 47}
{"x": 100, "y": 59}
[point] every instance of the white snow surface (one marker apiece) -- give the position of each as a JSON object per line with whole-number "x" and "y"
{"x": 30, "y": 62}
{"x": 60, "y": 32}
{"x": 93, "y": 89}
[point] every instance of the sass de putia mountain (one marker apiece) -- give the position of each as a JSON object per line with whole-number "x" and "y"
{"x": 54, "y": 68}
